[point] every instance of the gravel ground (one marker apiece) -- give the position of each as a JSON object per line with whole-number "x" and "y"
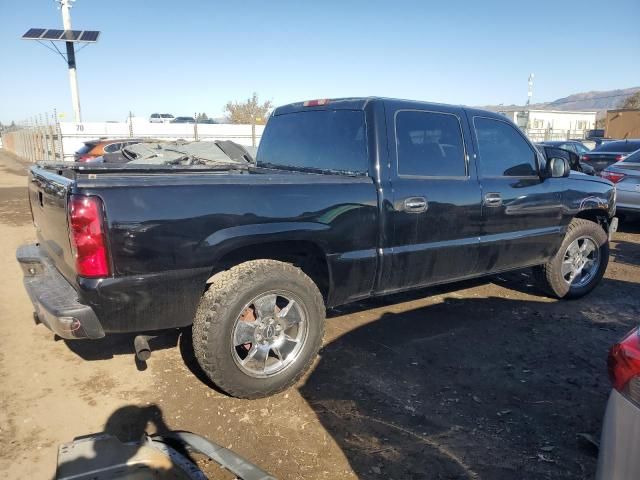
{"x": 486, "y": 379}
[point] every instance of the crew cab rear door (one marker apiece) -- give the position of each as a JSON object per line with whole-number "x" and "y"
{"x": 435, "y": 212}
{"x": 521, "y": 211}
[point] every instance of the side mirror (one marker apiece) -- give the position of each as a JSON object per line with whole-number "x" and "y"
{"x": 557, "y": 168}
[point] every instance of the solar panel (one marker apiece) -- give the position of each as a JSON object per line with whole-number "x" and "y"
{"x": 33, "y": 33}
{"x": 61, "y": 35}
{"x": 89, "y": 36}
{"x": 71, "y": 35}
{"x": 52, "y": 34}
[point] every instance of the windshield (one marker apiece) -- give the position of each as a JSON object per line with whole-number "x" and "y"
{"x": 316, "y": 140}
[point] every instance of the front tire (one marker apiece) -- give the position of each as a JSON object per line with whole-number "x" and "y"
{"x": 258, "y": 328}
{"x": 580, "y": 263}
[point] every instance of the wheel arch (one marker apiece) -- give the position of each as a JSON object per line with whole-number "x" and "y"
{"x": 596, "y": 215}
{"x": 307, "y": 255}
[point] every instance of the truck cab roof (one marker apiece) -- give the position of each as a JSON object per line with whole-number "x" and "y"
{"x": 361, "y": 103}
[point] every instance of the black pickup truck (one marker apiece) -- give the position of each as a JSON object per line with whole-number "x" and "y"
{"x": 348, "y": 199}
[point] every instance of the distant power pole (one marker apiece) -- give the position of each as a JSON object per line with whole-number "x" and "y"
{"x": 65, "y": 6}
{"x": 530, "y": 90}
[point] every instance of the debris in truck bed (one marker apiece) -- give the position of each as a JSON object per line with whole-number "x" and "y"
{"x": 190, "y": 153}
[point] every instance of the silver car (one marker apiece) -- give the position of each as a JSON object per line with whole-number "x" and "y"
{"x": 626, "y": 175}
{"x": 619, "y": 458}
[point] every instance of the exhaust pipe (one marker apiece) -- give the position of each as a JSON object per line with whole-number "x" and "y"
{"x": 142, "y": 348}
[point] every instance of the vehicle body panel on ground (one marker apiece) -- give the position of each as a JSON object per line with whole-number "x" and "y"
{"x": 349, "y": 199}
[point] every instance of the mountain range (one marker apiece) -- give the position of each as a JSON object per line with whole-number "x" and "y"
{"x": 599, "y": 101}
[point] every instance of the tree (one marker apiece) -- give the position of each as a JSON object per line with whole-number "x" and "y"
{"x": 249, "y": 112}
{"x": 202, "y": 117}
{"x": 632, "y": 102}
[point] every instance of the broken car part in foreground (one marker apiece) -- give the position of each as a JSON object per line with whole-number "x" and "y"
{"x": 103, "y": 456}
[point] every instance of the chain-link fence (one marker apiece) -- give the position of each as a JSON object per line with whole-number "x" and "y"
{"x": 38, "y": 138}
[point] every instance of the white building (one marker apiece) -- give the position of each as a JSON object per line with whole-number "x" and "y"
{"x": 552, "y": 124}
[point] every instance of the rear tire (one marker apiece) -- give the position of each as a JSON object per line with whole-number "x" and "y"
{"x": 241, "y": 333}
{"x": 580, "y": 263}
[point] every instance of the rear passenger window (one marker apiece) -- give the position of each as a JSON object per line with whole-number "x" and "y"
{"x": 429, "y": 144}
{"x": 503, "y": 151}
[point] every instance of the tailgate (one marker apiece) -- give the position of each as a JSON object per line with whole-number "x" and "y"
{"x": 48, "y": 195}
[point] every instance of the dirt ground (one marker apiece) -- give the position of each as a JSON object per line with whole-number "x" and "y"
{"x": 486, "y": 379}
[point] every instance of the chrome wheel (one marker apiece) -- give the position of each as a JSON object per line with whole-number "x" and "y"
{"x": 269, "y": 334}
{"x": 581, "y": 261}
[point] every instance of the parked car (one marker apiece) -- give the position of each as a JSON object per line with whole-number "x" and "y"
{"x": 626, "y": 175}
{"x": 573, "y": 158}
{"x": 161, "y": 118}
{"x": 608, "y": 153}
{"x": 337, "y": 209}
{"x": 183, "y": 120}
{"x": 208, "y": 121}
{"x": 572, "y": 145}
{"x": 96, "y": 148}
{"x": 595, "y": 133}
{"x": 618, "y": 458}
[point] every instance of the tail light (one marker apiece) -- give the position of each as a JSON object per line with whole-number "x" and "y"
{"x": 624, "y": 366}
{"x": 619, "y": 157}
{"x": 84, "y": 158}
{"x": 613, "y": 177}
{"x": 585, "y": 158}
{"x": 86, "y": 232}
{"x": 316, "y": 103}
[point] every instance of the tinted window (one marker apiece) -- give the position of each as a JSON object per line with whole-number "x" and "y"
{"x": 166, "y": 115}
{"x": 112, "y": 147}
{"x": 317, "y": 139}
{"x": 155, "y": 115}
{"x": 580, "y": 148}
{"x": 503, "y": 151}
{"x": 631, "y": 146}
{"x": 566, "y": 146}
{"x": 429, "y": 144}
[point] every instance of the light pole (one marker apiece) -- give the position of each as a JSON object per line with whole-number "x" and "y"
{"x": 65, "y": 6}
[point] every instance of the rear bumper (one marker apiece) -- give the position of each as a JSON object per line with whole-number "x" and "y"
{"x": 55, "y": 301}
{"x": 618, "y": 458}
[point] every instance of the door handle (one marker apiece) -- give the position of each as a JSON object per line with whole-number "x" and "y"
{"x": 415, "y": 205}
{"x": 492, "y": 200}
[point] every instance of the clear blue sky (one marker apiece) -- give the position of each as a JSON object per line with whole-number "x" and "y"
{"x": 183, "y": 56}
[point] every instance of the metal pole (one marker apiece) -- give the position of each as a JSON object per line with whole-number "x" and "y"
{"x": 65, "y": 6}
{"x": 253, "y": 132}
{"x": 47, "y": 136}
